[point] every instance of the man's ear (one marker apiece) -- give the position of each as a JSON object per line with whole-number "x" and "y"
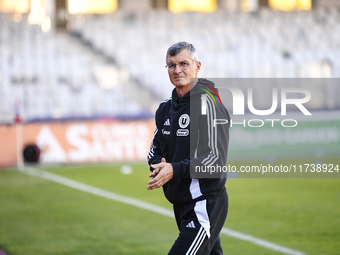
{"x": 198, "y": 66}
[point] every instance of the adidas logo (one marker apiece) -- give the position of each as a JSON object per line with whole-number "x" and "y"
{"x": 167, "y": 122}
{"x": 191, "y": 224}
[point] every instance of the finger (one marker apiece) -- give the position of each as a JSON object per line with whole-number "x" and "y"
{"x": 156, "y": 182}
{"x": 154, "y": 172}
{"x": 154, "y": 185}
{"x": 159, "y": 165}
{"x": 149, "y": 187}
{"x": 163, "y": 160}
{"x": 153, "y": 180}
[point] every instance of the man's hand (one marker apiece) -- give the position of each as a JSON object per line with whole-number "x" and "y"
{"x": 156, "y": 171}
{"x": 162, "y": 174}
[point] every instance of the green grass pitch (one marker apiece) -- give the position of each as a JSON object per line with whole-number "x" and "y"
{"x": 40, "y": 217}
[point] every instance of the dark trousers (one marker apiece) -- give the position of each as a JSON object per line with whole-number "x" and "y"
{"x": 200, "y": 224}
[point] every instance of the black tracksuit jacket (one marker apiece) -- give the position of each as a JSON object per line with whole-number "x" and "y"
{"x": 186, "y": 138}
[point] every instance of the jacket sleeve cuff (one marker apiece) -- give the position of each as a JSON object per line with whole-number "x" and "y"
{"x": 176, "y": 169}
{"x": 154, "y": 160}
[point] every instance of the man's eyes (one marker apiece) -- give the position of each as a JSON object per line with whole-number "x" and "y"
{"x": 184, "y": 63}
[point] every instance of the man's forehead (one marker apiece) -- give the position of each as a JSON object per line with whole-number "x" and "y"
{"x": 183, "y": 55}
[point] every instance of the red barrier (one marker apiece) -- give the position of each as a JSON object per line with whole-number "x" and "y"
{"x": 80, "y": 141}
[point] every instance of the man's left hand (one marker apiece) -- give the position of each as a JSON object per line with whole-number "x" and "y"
{"x": 165, "y": 174}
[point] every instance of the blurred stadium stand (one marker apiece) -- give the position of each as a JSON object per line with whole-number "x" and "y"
{"x": 112, "y": 65}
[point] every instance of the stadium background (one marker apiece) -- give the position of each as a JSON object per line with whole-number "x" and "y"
{"x": 85, "y": 77}
{"x": 82, "y": 80}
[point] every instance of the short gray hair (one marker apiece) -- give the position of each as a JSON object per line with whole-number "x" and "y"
{"x": 178, "y": 47}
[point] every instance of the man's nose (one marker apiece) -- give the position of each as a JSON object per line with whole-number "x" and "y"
{"x": 177, "y": 69}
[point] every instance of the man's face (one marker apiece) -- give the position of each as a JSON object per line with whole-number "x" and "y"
{"x": 179, "y": 77}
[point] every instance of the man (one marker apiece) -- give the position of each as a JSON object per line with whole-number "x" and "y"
{"x": 184, "y": 138}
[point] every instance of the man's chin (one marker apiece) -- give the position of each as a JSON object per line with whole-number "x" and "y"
{"x": 179, "y": 83}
